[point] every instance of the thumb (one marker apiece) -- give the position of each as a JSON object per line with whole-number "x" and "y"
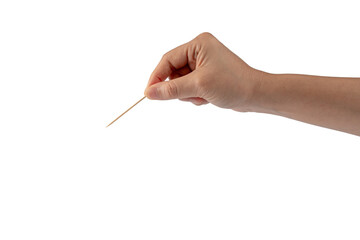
{"x": 182, "y": 87}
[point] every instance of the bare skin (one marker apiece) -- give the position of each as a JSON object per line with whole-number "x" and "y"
{"x": 205, "y": 71}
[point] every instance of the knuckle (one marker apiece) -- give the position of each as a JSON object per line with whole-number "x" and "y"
{"x": 164, "y": 56}
{"x": 205, "y": 36}
{"x": 196, "y": 102}
{"x": 172, "y": 90}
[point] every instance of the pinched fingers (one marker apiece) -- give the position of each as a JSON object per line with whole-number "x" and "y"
{"x": 170, "y": 62}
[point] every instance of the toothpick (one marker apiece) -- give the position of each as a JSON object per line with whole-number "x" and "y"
{"x": 126, "y": 111}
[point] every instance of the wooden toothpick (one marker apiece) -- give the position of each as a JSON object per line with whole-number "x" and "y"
{"x": 126, "y": 111}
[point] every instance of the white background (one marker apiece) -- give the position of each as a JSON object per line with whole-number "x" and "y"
{"x": 168, "y": 169}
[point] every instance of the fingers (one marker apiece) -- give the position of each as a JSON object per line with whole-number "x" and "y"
{"x": 182, "y": 87}
{"x": 170, "y": 62}
{"x": 195, "y": 100}
{"x": 180, "y": 72}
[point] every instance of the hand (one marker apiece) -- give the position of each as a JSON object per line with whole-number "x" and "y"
{"x": 204, "y": 71}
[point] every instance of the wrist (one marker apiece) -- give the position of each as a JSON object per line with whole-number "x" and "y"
{"x": 264, "y": 93}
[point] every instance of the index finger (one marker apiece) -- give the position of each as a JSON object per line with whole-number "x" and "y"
{"x": 172, "y": 60}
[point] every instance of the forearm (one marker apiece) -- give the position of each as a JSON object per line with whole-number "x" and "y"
{"x": 324, "y": 101}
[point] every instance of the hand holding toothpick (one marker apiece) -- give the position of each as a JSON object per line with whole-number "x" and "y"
{"x": 205, "y": 71}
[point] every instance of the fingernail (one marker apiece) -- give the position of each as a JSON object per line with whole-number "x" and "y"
{"x": 152, "y": 93}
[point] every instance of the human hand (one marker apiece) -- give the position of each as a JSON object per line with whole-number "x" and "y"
{"x": 204, "y": 71}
